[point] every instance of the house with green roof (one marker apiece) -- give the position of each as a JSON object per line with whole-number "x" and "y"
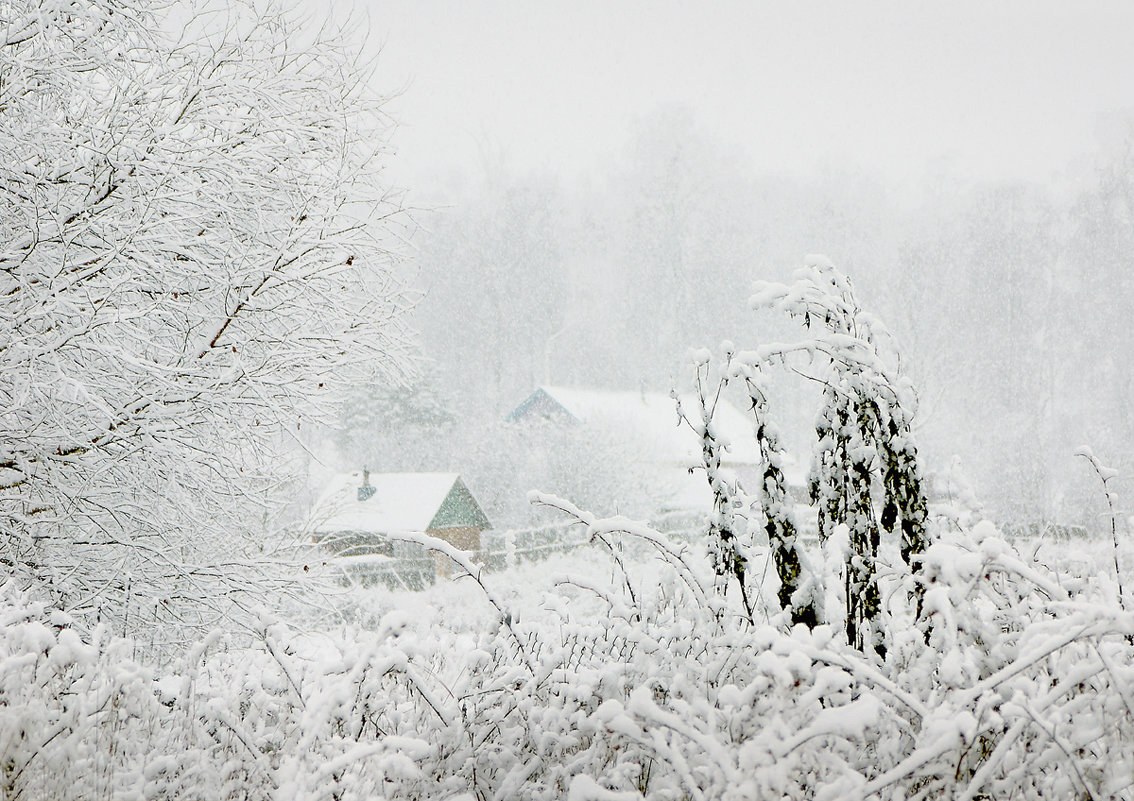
{"x": 359, "y": 511}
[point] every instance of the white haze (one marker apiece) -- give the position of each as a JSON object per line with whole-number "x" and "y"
{"x": 598, "y": 185}
{"x": 1005, "y": 90}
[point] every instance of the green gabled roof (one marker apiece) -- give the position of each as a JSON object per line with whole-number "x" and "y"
{"x": 459, "y": 509}
{"x": 397, "y": 502}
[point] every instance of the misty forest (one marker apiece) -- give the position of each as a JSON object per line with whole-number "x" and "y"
{"x": 677, "y": 477}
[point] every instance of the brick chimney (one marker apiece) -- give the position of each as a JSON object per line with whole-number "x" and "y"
{"x": 366, "y": 491}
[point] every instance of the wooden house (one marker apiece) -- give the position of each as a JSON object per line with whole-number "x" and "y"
{"x": 668, "y": 447}
{"x": 660, "y": 451}
{"x": 651, "y": 413}
{"x": 358, "y": 512}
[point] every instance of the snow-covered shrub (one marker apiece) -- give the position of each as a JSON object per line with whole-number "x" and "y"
{"x": 655, "y": 688}
{"x": 737, "y": 509}
{"x": 728, "y": 522}
{"x": 863, "y": 430}
{"x": 865, "y": 473}
{"x": 1021, "y": 691}
{"x": 79, "y": 718}
{"x": 73, "y": 710}
{"x": 628, "y": 683}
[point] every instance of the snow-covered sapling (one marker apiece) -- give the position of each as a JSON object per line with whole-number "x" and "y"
{"x": 1106, "y": 474}
{"x": 863, "y": 430}
{"x": 798, "y": 591}
{"x": 727, "y": 522}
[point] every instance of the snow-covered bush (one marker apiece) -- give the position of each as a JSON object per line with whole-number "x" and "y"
{"x": 79, "y": 718}
{"x": 626, "y": 684}
{"x": 1020, "y": 692}
{"x": 865, "y": 473}
{"x": 864, "y": 432}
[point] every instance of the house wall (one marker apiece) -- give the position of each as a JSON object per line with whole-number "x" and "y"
{"x": 466, "y": 538}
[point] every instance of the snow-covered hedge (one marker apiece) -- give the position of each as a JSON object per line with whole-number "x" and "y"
{"x": 619, "y": 689}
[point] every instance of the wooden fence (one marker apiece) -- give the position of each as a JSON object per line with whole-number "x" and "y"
{"x": 407, "y": 565}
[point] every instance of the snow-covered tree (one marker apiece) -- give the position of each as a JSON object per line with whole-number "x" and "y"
{"x": 865, "y": 474}
{"x": 798, "y": 590}
{"x": 194, "y": 261}
{"x": 392, "y": 427}
{"x": 864, "y": 435}
{"x": 728, "y": 522}
{"x": 497, "y": 263}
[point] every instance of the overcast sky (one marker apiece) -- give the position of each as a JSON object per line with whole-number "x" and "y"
{"x": 1004, "y": 89}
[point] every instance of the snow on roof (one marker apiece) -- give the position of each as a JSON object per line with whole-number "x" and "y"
{"x": 654, "y": 415}
{"x": 401, "y": 502}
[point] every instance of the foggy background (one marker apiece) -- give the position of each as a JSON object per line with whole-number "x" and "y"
{"x": 598, "y": 184}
